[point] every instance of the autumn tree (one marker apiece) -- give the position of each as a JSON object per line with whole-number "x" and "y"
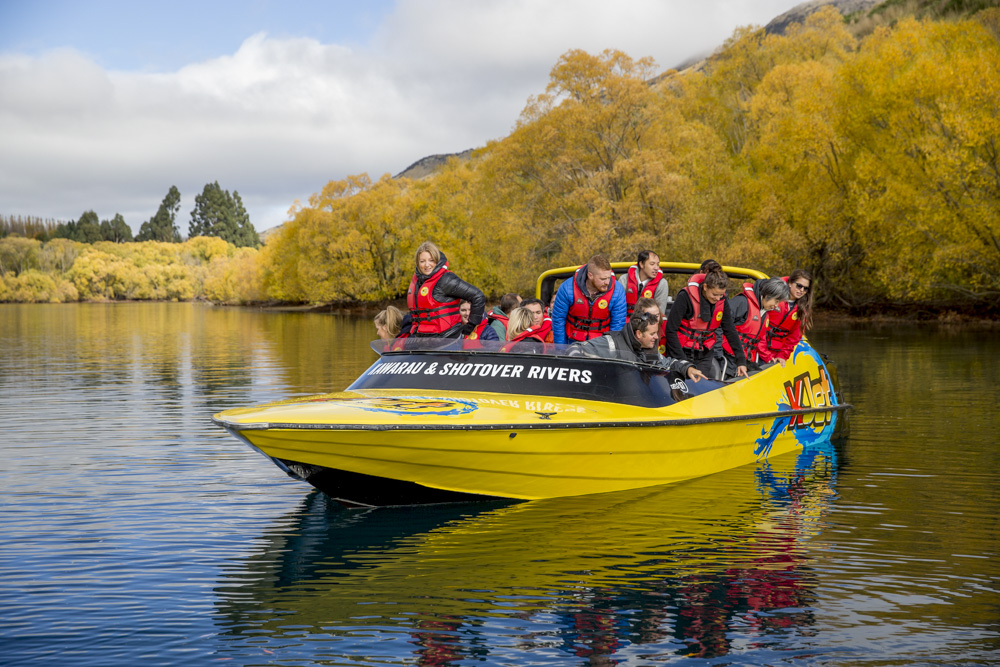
{"x": 162, "y": 226}
{"x": 921, "y": 108}
{"x": 218, "y": 213}
{"x": 591, "y": 157}
{"x": 18, "y": 254}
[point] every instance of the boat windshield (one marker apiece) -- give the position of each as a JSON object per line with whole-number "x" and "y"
{"x": 536, "y": 369}
{"x": 474, "y": 346}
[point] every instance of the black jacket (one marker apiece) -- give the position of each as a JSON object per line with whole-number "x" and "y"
{"x": 623, "y": 345}
{"x": 739, "y": 305}
{"x": 683, "y": 309}
{"x": 451, "y": 287}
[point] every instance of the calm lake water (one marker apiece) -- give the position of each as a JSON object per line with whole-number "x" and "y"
{"x": 135, "y": 532}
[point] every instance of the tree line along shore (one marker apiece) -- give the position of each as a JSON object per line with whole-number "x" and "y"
{"x": 871, "y": 160}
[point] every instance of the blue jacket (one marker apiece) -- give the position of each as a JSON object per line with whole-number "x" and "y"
{"x": 564, "y": 299}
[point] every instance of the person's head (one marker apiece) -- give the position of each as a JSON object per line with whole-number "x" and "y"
{"x": 599, "y": 274}
{"x": 772, "y": 292}
{"x": 509, "y": 301}
{"x": 519, "y": 322}
{"x": 800, "y": 283}
{"x": 537, "y": 310}
{"x": 428, "y": 257}
{"x": 714, "y": 287}
{"x": 646, "y": 305}
{"x": 465, "y": 309}
{"x": 388, "y": 323}
{"x": 709, "y": 265}
{"x": 648, "y": 263}
{"x": 645, "y": 327}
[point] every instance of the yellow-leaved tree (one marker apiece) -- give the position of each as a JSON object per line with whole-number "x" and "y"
{"x": 920, "y": 106}
{"x": 590, "y": 164}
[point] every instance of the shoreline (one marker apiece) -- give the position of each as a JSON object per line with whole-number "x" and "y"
{"x": 963, "y": 316}
{"x": 888, "y": 314}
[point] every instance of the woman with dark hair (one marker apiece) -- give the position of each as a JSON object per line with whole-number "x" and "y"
{"x": 785, "y": 325}
{"x": 435, "y": 295}
{"x": 751, "y": 308}
{"x": 700, "y": 310}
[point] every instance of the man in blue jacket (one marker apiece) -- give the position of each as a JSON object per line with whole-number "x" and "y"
{"x": 589, "y": 305}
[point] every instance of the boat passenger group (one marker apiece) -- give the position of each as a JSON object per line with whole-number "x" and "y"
{"x": 632, "y": 318}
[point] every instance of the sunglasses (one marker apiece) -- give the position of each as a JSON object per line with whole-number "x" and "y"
{"x": 804, "y": 288}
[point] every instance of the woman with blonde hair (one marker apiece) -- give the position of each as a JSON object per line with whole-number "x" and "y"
{"x": 521, "y": 335}
{"x": 388, "y": 323}
{"x": 435, "y": 295}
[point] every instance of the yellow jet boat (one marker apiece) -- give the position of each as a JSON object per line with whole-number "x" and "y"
{"x": 437, "y": 420}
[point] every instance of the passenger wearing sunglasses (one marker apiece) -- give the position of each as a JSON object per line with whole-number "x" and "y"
{"x": 636, "y": 342}
{"x": 786, "y": 325}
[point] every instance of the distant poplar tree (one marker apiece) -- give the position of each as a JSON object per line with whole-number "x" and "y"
{"x": 162, "y": 227}
{"x": 218, "y": 213}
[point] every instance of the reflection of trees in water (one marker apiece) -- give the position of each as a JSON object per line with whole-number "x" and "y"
{"x": 319, "y": 352}
{"x": 684, "y": 570}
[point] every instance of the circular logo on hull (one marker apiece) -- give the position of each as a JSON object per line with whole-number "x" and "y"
{"x": 414, "y": 406}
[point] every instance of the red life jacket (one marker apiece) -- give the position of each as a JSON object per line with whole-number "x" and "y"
{"x": 472, "y": 341}
{"x": 784, "y": 331}
{"x": 397, "y": 343}
{"x": 478, "y": 331}
{"x": 632, "y": 289}
{"x": 429, "y": 315}
{"x": 694, "y": 333}
{"x": 752, "y": 329}
{"x": 662, "y": 342}
{"x": 502, "y": 319}
{"x": 531, "y": 333}
{"x": 588, "y": 319}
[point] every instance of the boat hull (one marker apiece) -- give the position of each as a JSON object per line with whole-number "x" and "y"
{"x": 390, "y": 446}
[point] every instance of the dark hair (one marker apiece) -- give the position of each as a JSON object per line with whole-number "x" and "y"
{"x": 716, "y": 278}
{"x": 508, "y": 302}
{"x": 805, "y": 304}
{"x": 527, "y": 302}
{"x": 640, "y": 320}
{"x": 709, "y": 265}
{"x": 644, "y": 255}
{"x": 774, "y": 288}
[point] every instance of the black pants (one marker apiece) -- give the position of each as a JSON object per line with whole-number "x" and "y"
{"x": 708, "y": 362}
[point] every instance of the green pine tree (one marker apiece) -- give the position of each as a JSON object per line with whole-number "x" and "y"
{"x": 162, "y": 227}
{"x": 218, "y": 213}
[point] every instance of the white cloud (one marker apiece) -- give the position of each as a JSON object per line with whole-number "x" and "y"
{"x": 279, "y": 118}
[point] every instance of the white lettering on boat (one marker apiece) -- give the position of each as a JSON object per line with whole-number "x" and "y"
{"x": 484, "y": 370}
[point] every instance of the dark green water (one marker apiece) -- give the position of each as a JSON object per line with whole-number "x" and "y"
{"x": 136, "y": 532}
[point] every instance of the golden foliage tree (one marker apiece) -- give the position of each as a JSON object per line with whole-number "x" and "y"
{"x": 920, "y": 105}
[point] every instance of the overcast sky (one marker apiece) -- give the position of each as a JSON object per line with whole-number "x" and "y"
{"x": 105, "y": 105}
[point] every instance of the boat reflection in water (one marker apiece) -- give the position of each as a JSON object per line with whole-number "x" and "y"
{"x": 702, "y": 568}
